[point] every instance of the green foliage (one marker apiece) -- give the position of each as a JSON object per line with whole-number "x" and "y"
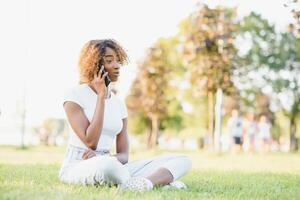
{"x": 208, "y": 48}
{"x": 173, "y": 116}
{"x": 204, "y": 54}
{"x": 208, "y": 51}
{"x": 260, "y": 37}
{"x": 138, "y": 123}
{"x": 268, "y": 54}
{"x": 155, "y": 90}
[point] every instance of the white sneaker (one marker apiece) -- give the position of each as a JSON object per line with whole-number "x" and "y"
{"x": 175, "y": 185}
{"x": 139, "y": 184}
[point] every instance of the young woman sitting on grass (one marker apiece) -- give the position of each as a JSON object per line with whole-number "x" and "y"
{"x": 97, "y": 117}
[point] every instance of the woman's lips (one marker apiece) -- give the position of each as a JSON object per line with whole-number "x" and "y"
{"x": 115, "y": 75}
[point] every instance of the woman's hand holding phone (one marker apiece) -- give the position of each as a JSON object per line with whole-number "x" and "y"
{"x": 99, "y": 82}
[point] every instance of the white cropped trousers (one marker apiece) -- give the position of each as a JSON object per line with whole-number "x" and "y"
{"x": 106, "y": 169}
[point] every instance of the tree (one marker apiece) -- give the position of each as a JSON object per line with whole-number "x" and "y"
{"x": 138, "y": 120}
{"x": 287, "y": 82}
{"x": 150, "y": 92}
{"x": 270, "y": 65}
{"x": 209, "y": 51}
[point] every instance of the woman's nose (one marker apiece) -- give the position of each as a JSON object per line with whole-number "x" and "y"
{"x": 117, "y": 66}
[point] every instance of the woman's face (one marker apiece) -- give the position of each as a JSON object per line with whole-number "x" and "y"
{"x": 111, "y": 64}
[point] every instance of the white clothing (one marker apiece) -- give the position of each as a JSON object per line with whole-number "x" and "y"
{"x": 105, "y": 168}
{"x": 115, "y": 110}
{"x": 251, "y": 128}
{"x": 178, "y": 165}
{"x": 234, "y": 126}
{"x": 100, "y": 169}
{"x": 264, "y": 130}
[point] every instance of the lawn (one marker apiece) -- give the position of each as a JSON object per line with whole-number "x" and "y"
{"x": 33, "y": 174}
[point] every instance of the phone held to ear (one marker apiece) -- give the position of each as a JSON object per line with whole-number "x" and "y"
{"x": 107, "y": 79}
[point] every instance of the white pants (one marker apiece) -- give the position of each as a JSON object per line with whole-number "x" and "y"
{"x": 106, "y": 169}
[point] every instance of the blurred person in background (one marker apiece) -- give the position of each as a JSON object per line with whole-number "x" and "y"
{"x": 235, "y": 129}
{"x": 250, "y": 131}
{"x": 264, "y": 128}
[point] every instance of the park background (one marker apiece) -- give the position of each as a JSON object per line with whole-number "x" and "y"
{"x": 181, "y": 53}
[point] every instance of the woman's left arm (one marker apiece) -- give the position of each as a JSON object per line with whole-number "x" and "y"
{"x": 122, "y": 144}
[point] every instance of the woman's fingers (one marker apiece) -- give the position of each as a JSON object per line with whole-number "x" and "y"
{"x": 88, "y": 154}
{"x": 84, "y": 155}
{"x": 104, "y": 75}
{"x": 100, "y": 71}
{"x": 92, "y": 154}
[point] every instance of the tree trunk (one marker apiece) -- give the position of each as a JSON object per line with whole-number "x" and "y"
{"x": 149, "y": 136}
{"x": 211, "y": 109}
{"x": 153, "y": 136}
{"x": 293, "y": 140}
{"x": 218, "y": 120}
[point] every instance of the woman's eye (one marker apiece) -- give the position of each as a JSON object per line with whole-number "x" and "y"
{"x": 108, "y": 61}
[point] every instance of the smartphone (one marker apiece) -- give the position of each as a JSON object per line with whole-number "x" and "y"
{"x": 107, "y": 79}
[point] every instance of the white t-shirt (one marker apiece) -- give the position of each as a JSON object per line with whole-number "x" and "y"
{"x": 115, "y": 110}
{"x": 234, "y": 126}
{"x": 264, "y": 130}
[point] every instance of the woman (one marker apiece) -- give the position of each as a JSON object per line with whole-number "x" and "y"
{"x": 97, "y": 117}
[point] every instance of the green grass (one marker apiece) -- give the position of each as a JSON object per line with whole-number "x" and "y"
{"x": 33, "y": 174}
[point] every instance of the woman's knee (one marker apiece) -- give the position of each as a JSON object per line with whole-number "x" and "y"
{"x": 113, "y": 161}
{"x": 177, "y": 165}
{"x": 180, "y": 161}
{"x": 101, "y": 165}
{"x": 114, "y": 171}
{"x": 180, "y": 157}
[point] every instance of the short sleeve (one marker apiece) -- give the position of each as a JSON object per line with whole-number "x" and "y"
{"x": 124, "y": 113}
{"x": 71, "y": 95}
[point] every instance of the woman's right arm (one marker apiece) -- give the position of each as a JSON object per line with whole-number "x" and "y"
{"x": 88, "y": 132}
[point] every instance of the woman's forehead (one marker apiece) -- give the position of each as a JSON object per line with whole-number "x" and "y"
{"x": 109, "y": 52}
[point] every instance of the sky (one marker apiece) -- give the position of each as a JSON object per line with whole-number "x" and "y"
{"x": 41, "y": 40}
